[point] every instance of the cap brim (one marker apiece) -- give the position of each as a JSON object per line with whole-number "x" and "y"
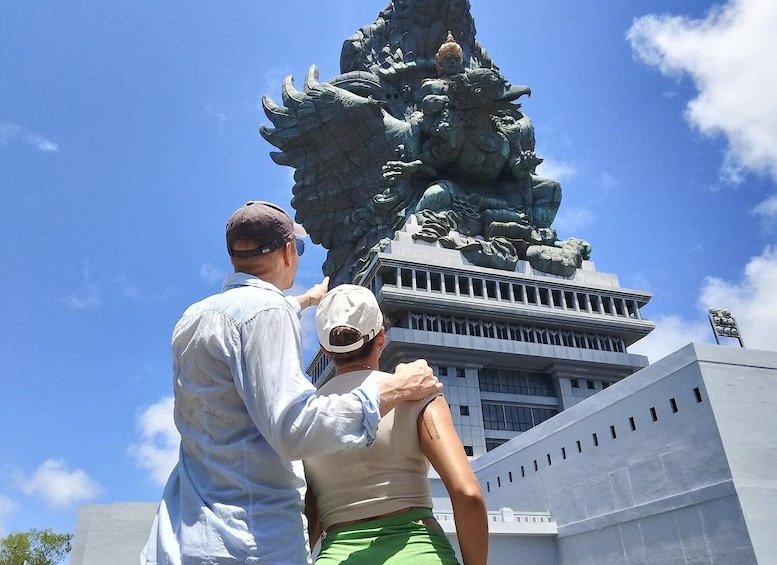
{"x": 299, "y": 231}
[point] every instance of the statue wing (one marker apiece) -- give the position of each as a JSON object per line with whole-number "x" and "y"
{"x": 337, "y": 141}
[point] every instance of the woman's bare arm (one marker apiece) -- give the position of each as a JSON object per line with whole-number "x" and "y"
{"x": 314, "y": 520}
{"x": 441, "y": 445}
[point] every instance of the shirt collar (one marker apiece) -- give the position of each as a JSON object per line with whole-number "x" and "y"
{"x": 234, "y": 280}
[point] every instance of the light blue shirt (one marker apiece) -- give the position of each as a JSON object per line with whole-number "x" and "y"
{"x": 246, "y": 414}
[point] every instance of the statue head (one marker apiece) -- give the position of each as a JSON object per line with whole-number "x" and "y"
{"x": 450, "y": 57}
{"x": 478, "y": 88}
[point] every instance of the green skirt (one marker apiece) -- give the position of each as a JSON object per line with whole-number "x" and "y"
{"x": 394, "y": 540}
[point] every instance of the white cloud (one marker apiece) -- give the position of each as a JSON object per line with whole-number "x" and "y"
{"x": 571, "y": 221}
{"x": 557, "y": 170}
{"x": 41, "y": 143}
{"x": 58, "y": 486}
{"x": 767, "y": 208}
{"x": 607, "y": 182}
{"x": 7, "y": 508}
{"x": 124, "y": 285}
{"x": 729, "y": 56}
{"x": 157, "y": 451}
{"x": 8, "y": 132}
{"x": 211, "y": 274}
{"x": 90, "y": 298}
{"x": 14, "y": 132}
{"x": 752, "y": 300}
{"x": 671, "y": 333}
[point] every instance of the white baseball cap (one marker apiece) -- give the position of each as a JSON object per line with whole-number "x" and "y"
{"x": 351, "y": 306}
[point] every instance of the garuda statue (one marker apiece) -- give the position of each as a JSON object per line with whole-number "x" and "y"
{"x": 419, "y": 123}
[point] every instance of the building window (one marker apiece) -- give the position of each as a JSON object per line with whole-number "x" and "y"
{"x": 673, "y": 404}
{"x": 420, "y": 280}
{"x": 468, "y": 450}
{"x": 477, "y": 287}
{"x": 463, "y": 286}
{"x": 514, "y": 418}
{"x": 388, "y": 276}
{"x": 450, "y": 284}
{"x": 591, "y": 385}
{"x": 489, "y": 380}
{"x": 491, "y": 289}
{"x": 697, "y": 393}
{"x": 431, "y": 323}
{"x": 596, "y": 440}
{"x": 464, "y": 410}
{"x": 442, "y": 371}
{"x": 575, "y": 383}
{"x": 517, "y": 418}
{"x": 653, "y": 413}
{"x": 492, "y": 444}
{"x": 493, "y": 417}
{"x": 632, "y": 423}
{"x": 516, "y": 382}
{"x": 460, "y": 373}
{"x": 437, "y": 322}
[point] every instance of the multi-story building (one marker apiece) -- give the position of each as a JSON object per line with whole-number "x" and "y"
{"x": 513, "y": 348}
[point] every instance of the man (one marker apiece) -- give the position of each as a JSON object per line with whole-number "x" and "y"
{"x": 247, "y": 414}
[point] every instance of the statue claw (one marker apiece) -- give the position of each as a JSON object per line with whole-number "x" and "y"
{"x": 311, "y": 79}
{"x": 292, "y": 98}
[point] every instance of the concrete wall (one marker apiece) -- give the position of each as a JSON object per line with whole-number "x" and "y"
{"x": 640, "y": 473}
{"x": 744, "y": 401}
{"x": 112, "y": 534}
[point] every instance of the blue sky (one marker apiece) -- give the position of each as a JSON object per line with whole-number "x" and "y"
{"x": 129, "y": 133}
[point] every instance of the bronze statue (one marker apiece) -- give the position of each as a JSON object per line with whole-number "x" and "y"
{"x": 420, "y": 122}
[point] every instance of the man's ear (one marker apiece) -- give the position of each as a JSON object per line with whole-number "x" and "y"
{"x": 288, "y": 251}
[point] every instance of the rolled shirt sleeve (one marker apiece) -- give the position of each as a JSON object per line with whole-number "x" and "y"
{"x": 282, "y": 402}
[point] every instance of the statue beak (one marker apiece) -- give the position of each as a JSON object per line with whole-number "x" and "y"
{"x": 515, "y": 91}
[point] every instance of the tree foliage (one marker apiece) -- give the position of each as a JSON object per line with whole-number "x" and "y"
{"x": 34, "y": 547}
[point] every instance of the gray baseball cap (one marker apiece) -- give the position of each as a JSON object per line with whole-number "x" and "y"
{"x": 264, "y": 223}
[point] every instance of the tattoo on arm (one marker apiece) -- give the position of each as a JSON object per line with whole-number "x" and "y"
{"x": 431, "y": 427}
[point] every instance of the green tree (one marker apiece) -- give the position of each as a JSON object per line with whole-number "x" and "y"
{"x": 35, "y": 547}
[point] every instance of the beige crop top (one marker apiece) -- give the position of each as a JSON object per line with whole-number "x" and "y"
{"x": 388, "y": 476}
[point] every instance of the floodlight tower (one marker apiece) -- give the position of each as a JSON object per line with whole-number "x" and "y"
{"x": 724, "y": 325}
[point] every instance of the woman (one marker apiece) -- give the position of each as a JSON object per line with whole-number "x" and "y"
{"x": 375, "y": 504}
